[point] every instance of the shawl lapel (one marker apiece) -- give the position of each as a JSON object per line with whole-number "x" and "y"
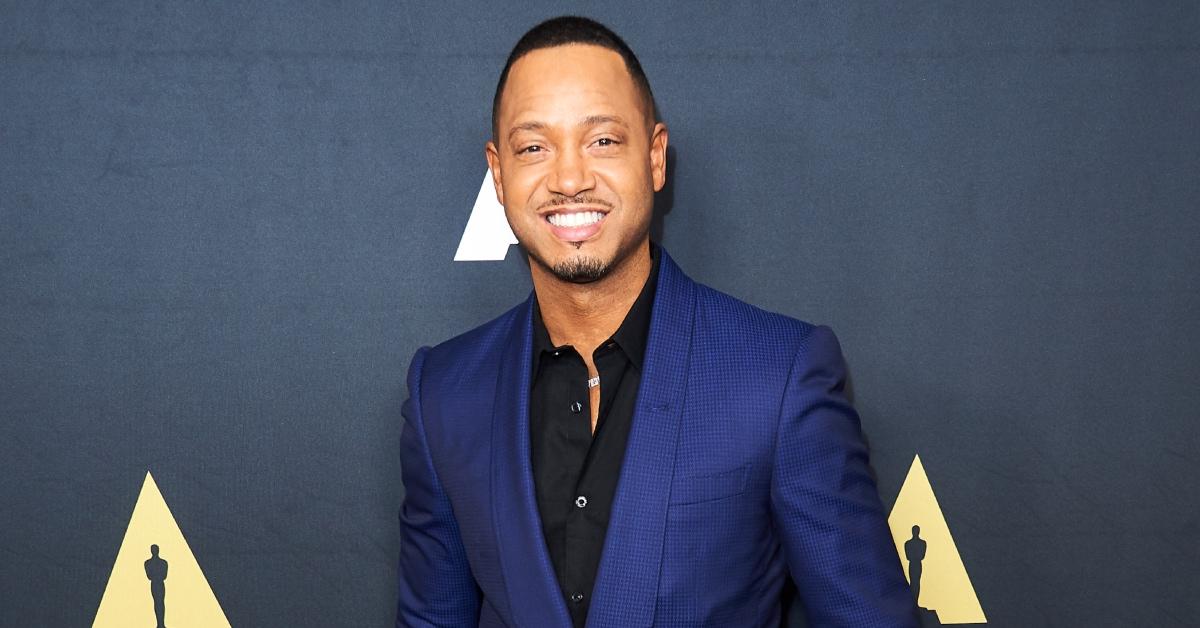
{"x": 626, "y": 587}
{"x": 534, "y": 596}
{"x": 627, "y": 581}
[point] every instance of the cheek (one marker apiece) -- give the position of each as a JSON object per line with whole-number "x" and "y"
{"x": 629, "y": 179}
{"x": 520, "y": 187}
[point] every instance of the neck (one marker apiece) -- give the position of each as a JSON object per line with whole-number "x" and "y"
{"x": 585, "y": 315}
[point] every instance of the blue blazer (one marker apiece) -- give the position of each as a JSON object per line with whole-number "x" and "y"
{"x": 745, "y": 464}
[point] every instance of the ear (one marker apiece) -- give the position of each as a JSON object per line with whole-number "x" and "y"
{"x": 493, "y": 159}
{"x": 658, "y": 155}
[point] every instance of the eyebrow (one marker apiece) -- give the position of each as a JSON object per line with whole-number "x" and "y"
{"x": 601, "y": 119}
{"x": 593, "y": 120}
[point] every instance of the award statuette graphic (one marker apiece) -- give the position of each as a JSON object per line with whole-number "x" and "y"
{"x": 914, "y": 552}
{"x": 930, "y": 558}
{"x": 140, "y": 592}
{"x": 156, "y": 572}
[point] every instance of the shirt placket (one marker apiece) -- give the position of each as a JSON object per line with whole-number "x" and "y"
{"x": 580, "y": 438}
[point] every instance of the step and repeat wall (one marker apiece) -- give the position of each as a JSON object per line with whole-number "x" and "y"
{"x": 225, "y": 228}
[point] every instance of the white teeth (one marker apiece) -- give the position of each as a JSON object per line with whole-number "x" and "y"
{"x": 575, "y": 219}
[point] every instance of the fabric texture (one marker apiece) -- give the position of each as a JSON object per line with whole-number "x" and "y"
{"x": 745, "y": 464}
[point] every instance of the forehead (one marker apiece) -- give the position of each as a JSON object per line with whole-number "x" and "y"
{"x": 567, "y": 82}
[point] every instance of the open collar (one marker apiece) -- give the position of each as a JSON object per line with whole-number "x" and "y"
{"x": 626, "y": 587}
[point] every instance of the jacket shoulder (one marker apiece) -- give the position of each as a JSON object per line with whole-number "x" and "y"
{"x": 728, "y": 317}
{"x": 472, "y": 350}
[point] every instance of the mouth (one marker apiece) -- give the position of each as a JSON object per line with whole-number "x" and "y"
{"x": 575, "y": 224}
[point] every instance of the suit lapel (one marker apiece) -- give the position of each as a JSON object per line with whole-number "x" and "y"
{"x": 528, "y": 572}
{"x": 627, "y": 583}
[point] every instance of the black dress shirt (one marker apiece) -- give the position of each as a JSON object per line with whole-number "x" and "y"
{"x": 575, "y": 472}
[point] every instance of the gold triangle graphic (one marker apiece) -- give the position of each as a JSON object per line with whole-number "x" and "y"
{"x": 172, "y": 582}
{"x": 944, "y": 584}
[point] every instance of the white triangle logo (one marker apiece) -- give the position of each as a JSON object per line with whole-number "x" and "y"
{"x": 487, "y": 236}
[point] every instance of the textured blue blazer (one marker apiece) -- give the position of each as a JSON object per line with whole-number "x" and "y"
{"x": 745, "y": 464}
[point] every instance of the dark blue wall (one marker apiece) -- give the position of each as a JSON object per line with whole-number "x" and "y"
{"x": 225, "y": 228}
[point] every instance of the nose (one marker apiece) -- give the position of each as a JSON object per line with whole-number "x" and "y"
{"x": 572, "y": 174}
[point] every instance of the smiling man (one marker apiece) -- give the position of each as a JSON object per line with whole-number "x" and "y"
{"x": 627, "y": 447}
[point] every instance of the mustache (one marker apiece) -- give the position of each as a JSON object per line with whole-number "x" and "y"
{"x": 559, "y": 200}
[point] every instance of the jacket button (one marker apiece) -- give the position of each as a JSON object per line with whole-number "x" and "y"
{"x": 576, "y": 597}
{"x": 580, "y": 501}
{"x": 576, "y": 407}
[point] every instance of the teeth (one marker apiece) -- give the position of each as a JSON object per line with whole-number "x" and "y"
{"x": 575, "y": 219}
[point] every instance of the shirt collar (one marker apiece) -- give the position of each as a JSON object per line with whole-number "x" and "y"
{"x": 631, "y": 336}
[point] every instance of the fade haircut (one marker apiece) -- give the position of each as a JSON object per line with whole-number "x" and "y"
{"x": 571, "y": 29}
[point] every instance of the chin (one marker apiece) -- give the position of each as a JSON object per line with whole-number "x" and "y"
{"x": 581, "y": 269}
{"x": 574, "y": 267}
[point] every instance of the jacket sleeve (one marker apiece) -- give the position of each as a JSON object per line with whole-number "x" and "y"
{"x": 825, "y": 503}
{"x": 436, "y": 587}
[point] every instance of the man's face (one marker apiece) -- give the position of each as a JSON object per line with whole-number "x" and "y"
{"x": 576, "y": 160}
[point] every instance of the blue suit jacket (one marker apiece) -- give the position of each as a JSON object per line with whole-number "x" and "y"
{"x": 745, "y": 464}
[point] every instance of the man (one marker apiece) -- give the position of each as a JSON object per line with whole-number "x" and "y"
{"x": 627, "y": 447}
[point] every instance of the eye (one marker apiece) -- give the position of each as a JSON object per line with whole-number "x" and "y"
{"x": 606, "y": 141}
{"x": 534, "y": 148}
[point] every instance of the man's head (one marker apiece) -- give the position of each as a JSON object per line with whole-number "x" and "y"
{"x": 577, "y": 152}
{"x": 154, "y": 550}
{"x": 571, "y": 30}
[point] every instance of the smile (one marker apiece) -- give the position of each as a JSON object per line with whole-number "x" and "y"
{"x": 575, "y": 219}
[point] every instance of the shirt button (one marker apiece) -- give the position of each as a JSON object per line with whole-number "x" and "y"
{"x": 580, "y": 501}
{"x": 576, "y": 597}
{"x": 576, "y": 407}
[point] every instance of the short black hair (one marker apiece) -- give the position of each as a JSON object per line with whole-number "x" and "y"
{"x": 572, "y": 29}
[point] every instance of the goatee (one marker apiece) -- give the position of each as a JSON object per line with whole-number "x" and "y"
{"x": 580, "y": 269}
